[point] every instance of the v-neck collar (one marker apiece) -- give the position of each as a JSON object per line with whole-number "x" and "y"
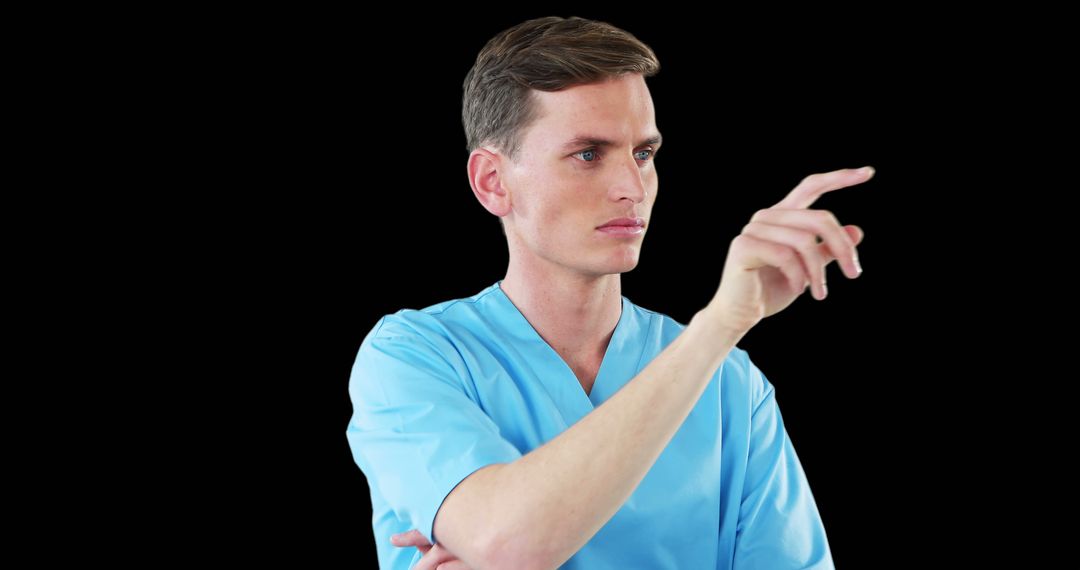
{"x": 619, "y": 364}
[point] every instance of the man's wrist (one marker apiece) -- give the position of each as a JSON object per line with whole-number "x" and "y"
{"x": 721, "y": 330}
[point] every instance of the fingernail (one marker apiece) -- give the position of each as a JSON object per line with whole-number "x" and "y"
{"x": 867, "y": 170}
{"x": 858, "y": 267}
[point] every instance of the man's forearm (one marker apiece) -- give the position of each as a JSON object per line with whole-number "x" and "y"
{"x": 539, "y": 510}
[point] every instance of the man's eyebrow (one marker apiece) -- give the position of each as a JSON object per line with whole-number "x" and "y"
{"x": 587, "y": 140}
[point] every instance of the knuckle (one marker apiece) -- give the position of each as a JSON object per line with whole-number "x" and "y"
{"x": 828, "y": 217}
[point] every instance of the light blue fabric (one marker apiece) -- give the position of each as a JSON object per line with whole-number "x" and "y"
{"x": 440, "y": 392}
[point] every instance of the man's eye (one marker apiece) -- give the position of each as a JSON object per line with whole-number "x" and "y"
{"x": 589, "y": 152}
{"x": 594, "y": 154}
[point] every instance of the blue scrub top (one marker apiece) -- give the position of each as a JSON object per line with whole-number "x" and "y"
{"x": 440, "y": 392}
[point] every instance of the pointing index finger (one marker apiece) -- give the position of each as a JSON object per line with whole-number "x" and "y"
{"x": 813, "y": 186}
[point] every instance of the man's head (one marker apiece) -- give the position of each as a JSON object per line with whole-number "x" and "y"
{"x": 534, "y": 89}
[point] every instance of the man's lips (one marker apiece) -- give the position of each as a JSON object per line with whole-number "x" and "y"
{"x": 623, "y": 227}
{"x": 625, "y": 222}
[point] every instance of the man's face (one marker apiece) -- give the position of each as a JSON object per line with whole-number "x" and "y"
{"x": 562, "y": 192}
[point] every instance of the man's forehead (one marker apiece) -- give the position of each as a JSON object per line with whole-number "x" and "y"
{"x": 565, "y": 130}
{"x": 617, "y": 112}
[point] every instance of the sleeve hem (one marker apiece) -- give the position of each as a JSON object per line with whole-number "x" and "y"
{"x": 455, "y": 478}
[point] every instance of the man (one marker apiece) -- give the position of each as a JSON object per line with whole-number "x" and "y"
{"x": 547, "y": 421}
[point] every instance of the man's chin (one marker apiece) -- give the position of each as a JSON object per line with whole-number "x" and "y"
{"x": 621, "y": 266}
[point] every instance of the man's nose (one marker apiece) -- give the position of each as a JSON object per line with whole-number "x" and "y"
{"x": 629, "y": 181}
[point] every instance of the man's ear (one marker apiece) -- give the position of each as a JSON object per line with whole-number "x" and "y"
{"x": 487, "y": 177}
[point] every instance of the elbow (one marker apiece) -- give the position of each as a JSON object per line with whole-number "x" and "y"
{"x": 516, "y": 552}
{"x": 470, "y": 548}
{"x": 479, "y": 551}
{"x": 492, "y": 530}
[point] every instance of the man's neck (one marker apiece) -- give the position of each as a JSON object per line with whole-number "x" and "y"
{"x": 576, "y": 315}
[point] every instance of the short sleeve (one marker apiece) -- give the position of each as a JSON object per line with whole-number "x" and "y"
{"x": 415, "y": 433}
{"x": 779, "y": 523}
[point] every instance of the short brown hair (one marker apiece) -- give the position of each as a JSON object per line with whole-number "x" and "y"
{"x": 546, "y": 54}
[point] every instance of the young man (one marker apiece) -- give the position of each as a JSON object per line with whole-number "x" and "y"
{"x": 547, "y": 420}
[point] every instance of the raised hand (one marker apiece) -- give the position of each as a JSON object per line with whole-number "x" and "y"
{"x": 771, "y": 262}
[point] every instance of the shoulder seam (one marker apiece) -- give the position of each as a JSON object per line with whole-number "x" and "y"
{"x": 379, "y": 325}
{"x": 456, "y": 301}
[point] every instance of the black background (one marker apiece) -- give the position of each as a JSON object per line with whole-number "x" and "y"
{"x": 331, "y": 188}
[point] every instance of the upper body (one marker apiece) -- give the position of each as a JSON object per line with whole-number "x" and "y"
{"x": 441, "y": 392}
{"x": 562, "y": 137}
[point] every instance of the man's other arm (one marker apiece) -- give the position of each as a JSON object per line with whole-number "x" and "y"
{"x": 539, "y": 510}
